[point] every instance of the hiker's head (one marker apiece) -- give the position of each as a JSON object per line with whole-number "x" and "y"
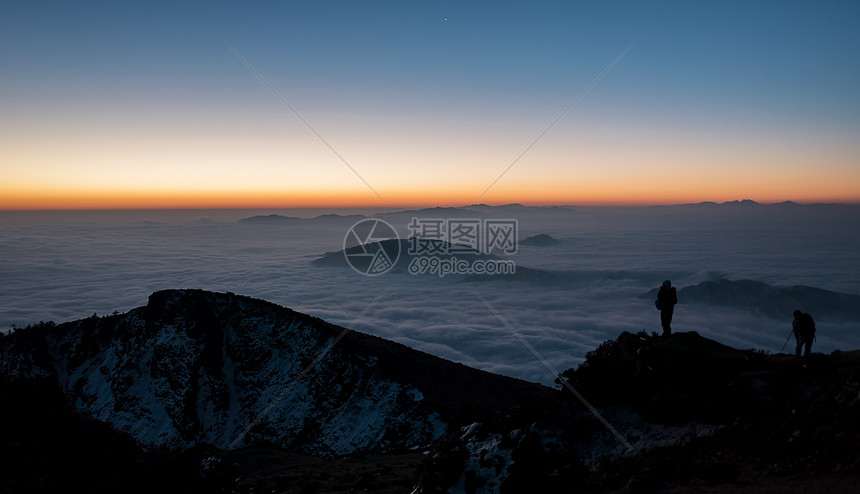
{"x": 667, "y": 284}
{"x": 797, "y": 314}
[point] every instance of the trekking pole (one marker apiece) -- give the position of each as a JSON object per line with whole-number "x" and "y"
{"x": 786, "y": 341}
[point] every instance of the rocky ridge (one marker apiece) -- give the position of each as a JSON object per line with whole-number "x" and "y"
{"x": 125, "y": 401}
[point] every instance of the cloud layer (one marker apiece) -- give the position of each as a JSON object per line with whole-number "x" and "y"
{"x": 73, "y": 265}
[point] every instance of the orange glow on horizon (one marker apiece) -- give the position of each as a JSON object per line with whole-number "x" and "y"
{"x": 546, "y": 196}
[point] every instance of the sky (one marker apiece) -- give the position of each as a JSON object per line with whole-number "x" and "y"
{"x": 146, "y": 105}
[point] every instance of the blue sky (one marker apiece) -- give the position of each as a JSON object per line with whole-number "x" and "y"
{"x": 408, "y": 91}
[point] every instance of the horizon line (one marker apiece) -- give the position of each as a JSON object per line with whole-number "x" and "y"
{"x": 420, "y": 206}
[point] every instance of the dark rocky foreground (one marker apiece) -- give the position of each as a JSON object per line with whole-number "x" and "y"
{"x": 700, "y": 416}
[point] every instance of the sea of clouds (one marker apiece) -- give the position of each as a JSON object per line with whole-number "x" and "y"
{"x": 62, "y": 266}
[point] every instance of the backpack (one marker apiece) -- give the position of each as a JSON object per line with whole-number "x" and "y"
{"x": 806, "y": 325}
{"x": 662, "y": 294}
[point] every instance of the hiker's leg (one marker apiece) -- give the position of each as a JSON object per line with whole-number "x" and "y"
{"x": 665, "y": 321}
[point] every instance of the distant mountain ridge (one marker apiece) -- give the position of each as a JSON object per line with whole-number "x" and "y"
{"x": 473, "y": 211}
{"x": 772, "y": 301}
{"x": 277, "y": 219}
{"x": 509, "y": 210}
{"x": 749, "y": 203}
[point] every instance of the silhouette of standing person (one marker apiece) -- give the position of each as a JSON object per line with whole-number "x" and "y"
{"x": 667, "y": 297}
{"x": 803, "y": 327}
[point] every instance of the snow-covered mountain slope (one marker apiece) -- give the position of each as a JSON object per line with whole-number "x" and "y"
{"x": 200, "y": 367}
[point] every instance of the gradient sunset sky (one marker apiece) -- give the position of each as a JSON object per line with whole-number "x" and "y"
{"x": 111, "y": 105}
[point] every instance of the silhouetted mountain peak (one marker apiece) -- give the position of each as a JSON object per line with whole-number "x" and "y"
{"x": 744, "y": 202}
{"x": 541, "y": 240}
{"x": 198, "y": 367}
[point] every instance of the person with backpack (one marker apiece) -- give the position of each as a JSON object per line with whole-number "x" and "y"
{"x": 803, "y": 328}
{"x": 667, "y": 297}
